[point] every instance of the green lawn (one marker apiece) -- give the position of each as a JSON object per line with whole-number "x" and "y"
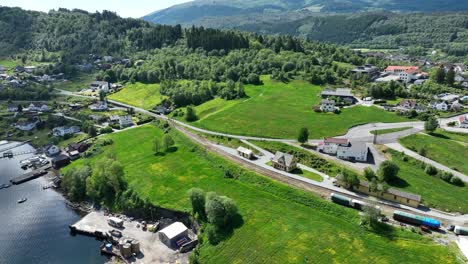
{"x": 279, "y": 110}
{"x": 141, "y": 95}
{"x": 77, "y": 83}
{"x": 443, "y": 148}
{"x": 434, "y": 191}
{"x": 280, "y": 224}
{"x": 388, "y": 131}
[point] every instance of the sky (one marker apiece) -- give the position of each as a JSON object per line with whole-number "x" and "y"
{"x": 125, "y": 8}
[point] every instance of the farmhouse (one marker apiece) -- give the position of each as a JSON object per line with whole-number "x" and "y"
{"x": 99, "y": 106}
{"x": 62, "y": 131}
{"x": 60, "y": 161}
{"x": 343, "y": 93}
{"x": 172, "y": 234}
{"x": 27, "y": 125}
{"x": 463, "y": 121}
{"x": 283, "y": 161}
{"x": 245, "y": 152}
{"x": 327, "y": 105}
{"x": 125, "y": 121}
{"x": 356, "y": 151}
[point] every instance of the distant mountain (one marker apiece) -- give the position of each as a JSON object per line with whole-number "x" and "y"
{"x": 196, "y": 11}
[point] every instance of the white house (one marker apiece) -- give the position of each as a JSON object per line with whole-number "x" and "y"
{"x": 283, "y": 161}
{"x": 38, "y": 107}
{"x": 62, "y": 131}
{"x": 441, "y": 106}
{"x": 245, "y": 152}
{"x": 327, "y": 105}
{"x": 29, "y": 69}
{"x": 125, "y": 121}
{"x": 355, "y": 151}
{"x": 52, "y": 150}
{"x": 99, "y": 106}
{"x": 171, "y": 234}
{"x": 27, "y": 125}
{"x": 463, "y": 121}
{"x": 330, "y": 145}
{"x": 100, "y": 86}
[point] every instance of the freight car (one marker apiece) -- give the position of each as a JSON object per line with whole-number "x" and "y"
{"x": 416, "y": 219}
{"x": 343, "y": 200}
{"x": 459, "y": 230}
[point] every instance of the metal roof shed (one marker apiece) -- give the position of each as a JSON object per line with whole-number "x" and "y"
{"x": 170, "y": 234}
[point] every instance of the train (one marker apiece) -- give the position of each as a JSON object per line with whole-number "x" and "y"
{"x": 416, "y": 219}
{"x": 353, "y": 203}
{"x": 460, "y": 230}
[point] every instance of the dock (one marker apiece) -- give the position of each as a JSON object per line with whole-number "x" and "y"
{"x": 29, "y": 176}
{"x": 152, "y": 249}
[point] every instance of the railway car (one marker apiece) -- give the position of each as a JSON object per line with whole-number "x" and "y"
{"x": 460, "y": 230}
{"x": 416, "y": 219}
{"x": 341, "y": 199}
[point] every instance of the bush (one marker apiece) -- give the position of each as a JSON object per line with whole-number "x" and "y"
{"x": 106, "y": 130}
{"x": 430, "y": 170}
{"x": 457, "y": 181}
{"x": 446, "y": 176}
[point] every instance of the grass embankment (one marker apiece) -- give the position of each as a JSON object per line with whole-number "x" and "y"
{"x": 279, "y": 110}
{"x": 141, "y": 95}
{"x": 227, "y": 142}
{"x": 77, "y": 83}
{"x": 447, "y": 149}
{"x": 280, "y": 224}
{"x": 304, "y": 157}
{"x": 388, "y": 131}
{"x": 434, "y": 191}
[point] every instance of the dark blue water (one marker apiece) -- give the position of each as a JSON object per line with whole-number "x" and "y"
{"x": 37, "y": 231}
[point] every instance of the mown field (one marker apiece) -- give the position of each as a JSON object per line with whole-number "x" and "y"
{"x": 279, "y": 110}
{"x": 434, "y": 191}
{"x": 141, "y": 95}
{"x": 280, "y": 224}
{"x": 444, "y": 148}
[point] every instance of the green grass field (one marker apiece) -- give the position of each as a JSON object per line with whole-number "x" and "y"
{"x": 388, "y": 131}
{"x": 434, "y": 191}
{"x": 77, "y": 83}
{"x": 443, "y": 148}
{"x": 280, "y": 224}
{"x": 141, "y": 95}
{"x": 279, "y": 110}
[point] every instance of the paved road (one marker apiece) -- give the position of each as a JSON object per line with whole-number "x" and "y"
{"x": 400, "y": 148}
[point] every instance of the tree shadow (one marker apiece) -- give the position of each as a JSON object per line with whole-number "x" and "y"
{"x": 399, "y": 183}
{"x": 226, "y": 232}
{"x": 439, "y": 135}
{"x": 160, "y": 154}
{"x": 383, "y": 230}
{"x": 172, "y": 149}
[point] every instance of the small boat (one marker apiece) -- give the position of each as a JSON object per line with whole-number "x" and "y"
{"x": 22, "y": 200}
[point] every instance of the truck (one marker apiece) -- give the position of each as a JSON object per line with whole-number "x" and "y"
{"x": 115, "y": 222}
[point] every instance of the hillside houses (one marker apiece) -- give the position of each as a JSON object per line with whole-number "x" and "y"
{"x": 367, "y": 69}
{"x": 406, "y": 74}
{"x": 98, "y": 107}
{"x": 409, "y": 104}
{"x": 37, "y": 107}
{"x": 27, "y": 125}
{"x": 463, "y": 121}
{"x": 327, "y": 105}
{"x": 125, "y": 121}
{"x": 100, "y": 86}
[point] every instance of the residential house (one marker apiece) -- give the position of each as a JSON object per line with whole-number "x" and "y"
{"x": 51, "y": 150}
{"x": 343, "y": 93}
{"x": 80, "y": 147}
{"x": 74, "y": 155}
{"x": 327, "y": 105}
{"x": 125, "y": 121}
{"x": 29, "y": 69}
{"x": 368, "y": 69}
{"x": 27, "y": 125}
{"x": 330, "y": 145}
{"x": 114, "y": 119}
{"x": 63, "y": 131}
{"x": 459, "y": 78}
{"x": 60, "y": 161}
{"x": 355, "y": 151}
{"x": 19, "y": 68}
{"x": 100, "y": 86}
{"x": 459, "y": 68}
{"x": 449, "y": 98}
{"x": 12, "y": 108}
{"x": 283, "y": 161}
{"x": 108, "y": 58}
{"x": 38, "y": 107}
{"x": 463, "y": 121}
{"x": 408, "y": 104}
{"x": 440, "y": 106}
{"x": 464, "y": 83}
{"x": 406, "y": 74}
{"x": 99, "y": 106}
{"x": 245, "y": 152}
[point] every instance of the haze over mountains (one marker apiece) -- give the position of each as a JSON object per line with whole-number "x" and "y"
{"x": 195, "y": 12}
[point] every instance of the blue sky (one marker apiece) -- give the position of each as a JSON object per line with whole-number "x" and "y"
{"x": 125, "y": 8}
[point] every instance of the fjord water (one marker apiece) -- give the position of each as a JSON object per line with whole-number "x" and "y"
{"x": 37, "y": 231}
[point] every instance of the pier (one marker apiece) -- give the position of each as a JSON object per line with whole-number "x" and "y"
{"x": 152, "y": 250}
{"x": 30, "y": 176}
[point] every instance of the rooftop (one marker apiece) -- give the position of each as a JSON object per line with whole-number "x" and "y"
{"x": 288, "y": 159}
{"x": 174, "y": 230}
{"x": 340, "y": 141}
{"x": 338, "y": 92}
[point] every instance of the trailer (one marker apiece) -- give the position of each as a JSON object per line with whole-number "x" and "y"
{"x": 460, "y": 230}
{"x": 416, "y": 219}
